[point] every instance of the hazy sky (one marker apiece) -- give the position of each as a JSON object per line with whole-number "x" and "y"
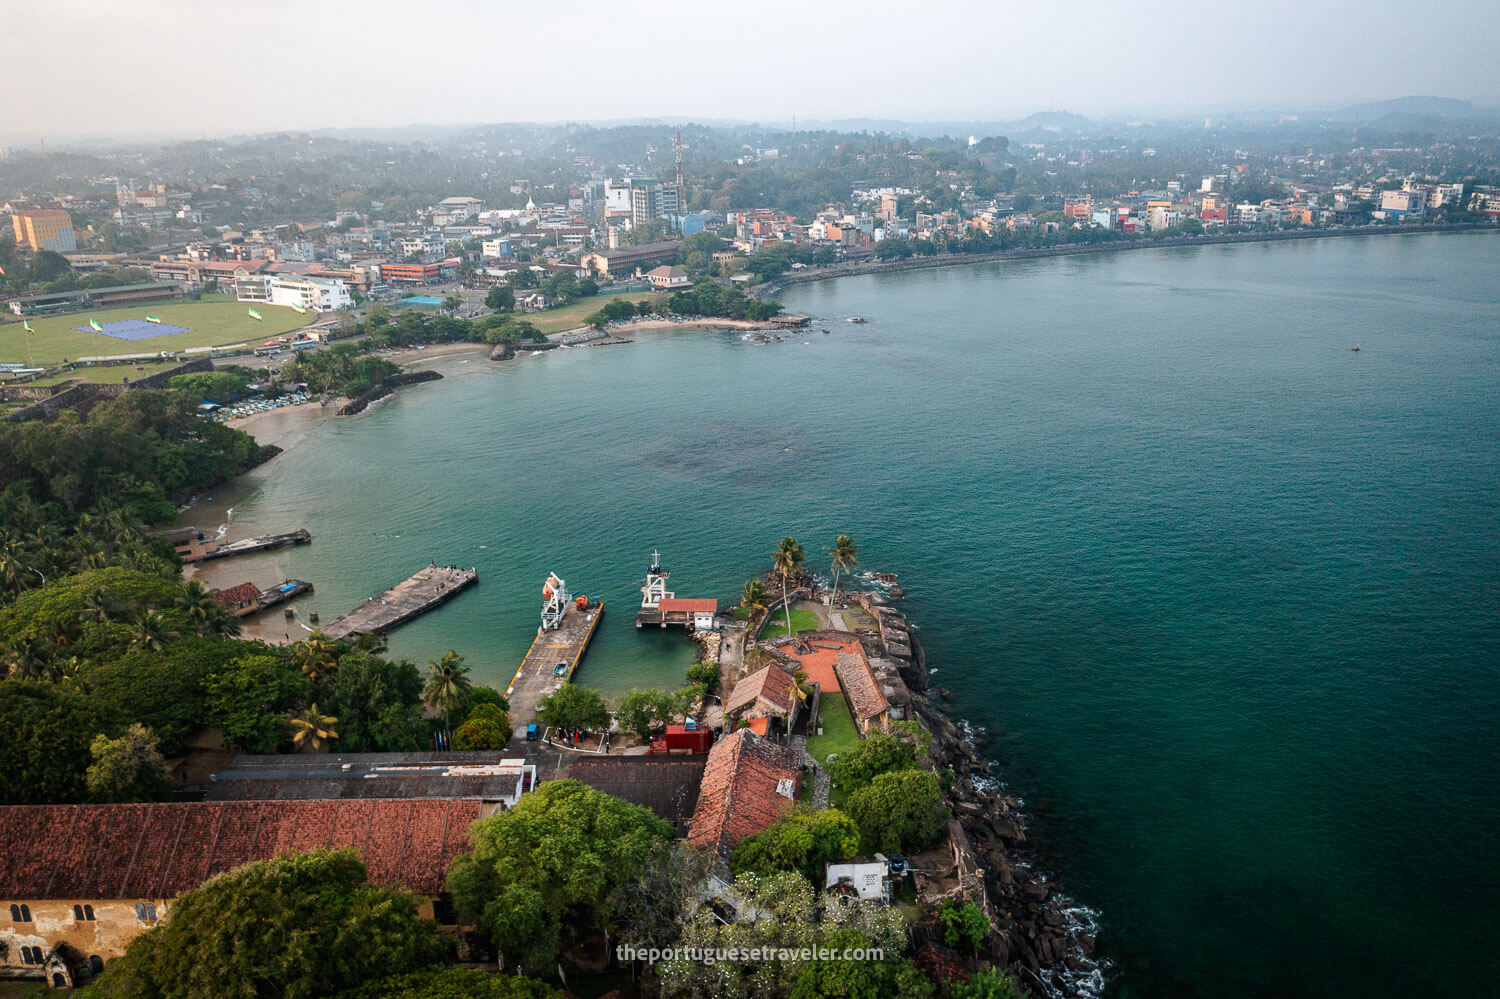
{"x": 120, "y": 66}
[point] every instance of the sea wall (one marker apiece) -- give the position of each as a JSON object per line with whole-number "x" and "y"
{"x": 385, "y": 388}
{"x": 89, "y": 394}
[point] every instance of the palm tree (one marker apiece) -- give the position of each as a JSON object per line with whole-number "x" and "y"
{"x": 27, "y": 658}
{"x": 800, "y": 686}
{"x": 754, "y": 597}
{"x": 787, "y": 558}
{"x": 447, "y": 686}
{"x": 313, "y": 729}
{"x": 845, "y": 558}
{"x": 150, "y": 633}
{"x": 315, "y": 655}
{"x": 198, "y": 604}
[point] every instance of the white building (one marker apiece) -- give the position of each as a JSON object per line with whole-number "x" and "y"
{"x": 464, "y": 208}
{"x": 1402, "y": 203}
{"x": 867, "y": 878}
{"x": 312, "y": 294}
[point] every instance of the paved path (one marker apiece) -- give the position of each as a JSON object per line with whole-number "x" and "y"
{"x": 822, "y": 783}
{"x": 838, "y": 621}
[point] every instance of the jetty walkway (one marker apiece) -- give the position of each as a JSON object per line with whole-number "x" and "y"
{"x": 550, "y": 662}
{"x": 201, "y": 549}
{"x": 410, "y": 598}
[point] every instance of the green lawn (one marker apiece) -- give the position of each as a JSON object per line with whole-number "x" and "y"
{"x": 108, "y": 373}
{"x": 573, "y": 315}
{"x": 215, "y": 321}
{"x": 802, "y": 620}
{"x": 839, "y": 734}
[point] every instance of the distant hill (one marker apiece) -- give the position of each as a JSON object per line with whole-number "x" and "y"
{"x": 1410, "y": 107}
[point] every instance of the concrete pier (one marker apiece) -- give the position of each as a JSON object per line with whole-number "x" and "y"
{"x": 410, "y": 598}
{"x": 538, "y": 675}
{"x": 202, "y": 549}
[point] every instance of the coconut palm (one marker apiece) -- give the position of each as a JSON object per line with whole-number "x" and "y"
{"x": 800, "y": 686}
{"x": 199, "y": 605}
{"x": 845, "y": 558}
{"x": 27, "y": 658}
{"x": 787, "y": 558}
{"x": 755, "y": 598}
{"x": 150, "y": 633}
{"x": 315, "y": 656}
{"x": 447, "y": 686}
{"x": 313, "y": 730}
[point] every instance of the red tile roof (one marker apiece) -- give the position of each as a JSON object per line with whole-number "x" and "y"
{"x": 165, "y": 849}
{"x": 771, "y": 684}
{"x": 245, "y": 593}
{"x": 861, "y": 686}
{"x": 692, "y": 605}
{"x": 739, "y": 794}
{"x": 821, "y": 661}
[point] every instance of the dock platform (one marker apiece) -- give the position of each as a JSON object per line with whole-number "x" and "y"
{"x": 537, "y": 676}
{"x": 412, "y": 597}
{"x": 202, "y": 549}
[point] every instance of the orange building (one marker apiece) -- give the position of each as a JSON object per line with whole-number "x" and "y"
{"x": 48, "y": 229}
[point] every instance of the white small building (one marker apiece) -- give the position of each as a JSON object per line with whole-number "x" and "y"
{"x": 866, "y": 878}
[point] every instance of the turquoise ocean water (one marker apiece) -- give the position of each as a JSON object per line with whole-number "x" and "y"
{"x": 1222, "y": 591}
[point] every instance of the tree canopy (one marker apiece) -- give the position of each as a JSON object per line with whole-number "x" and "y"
{"x": 303, "y": 925}
{"x": 902, "y": 810}
{"x": 549, "y": 869}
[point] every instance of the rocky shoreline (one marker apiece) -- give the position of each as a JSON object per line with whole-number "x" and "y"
{"x": 1041, "y": 934}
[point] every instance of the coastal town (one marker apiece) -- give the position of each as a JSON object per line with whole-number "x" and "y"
{"x": 251, "y": 744}
{"x": 530, "y": 237}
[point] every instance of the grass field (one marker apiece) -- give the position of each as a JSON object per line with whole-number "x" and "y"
{"x": 839, "y": 734}
{"x": 802, "y": 620}
{"x": 108, "y": 374}
{"x": 211, "y": 322}
{"x": 572, "y": 316}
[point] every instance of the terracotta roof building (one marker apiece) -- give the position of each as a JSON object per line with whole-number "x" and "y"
{"x": 82, "y": 881}
{"x": 165, "y": 849}
{"x": 770, "y": 692}
{"x": 244, "y": 597}
{"x": 749, "y": 783}
{"x": 668, "y": 278}
{"x": 866, "y": 701}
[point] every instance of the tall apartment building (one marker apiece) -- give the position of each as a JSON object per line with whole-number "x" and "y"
{"x": 47, "y": 229}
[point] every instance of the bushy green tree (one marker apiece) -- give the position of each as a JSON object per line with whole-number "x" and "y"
{"x": 548, "y": 870}
{"x": 902, "y": 810}
{"x": 964, "y": 927}
{"x": 487, "y": 727}
{"x": 787, "y": 913}
{"x": 128, "y": 768}
{"x": 453, "y": 983}
{"x": 378, "y": 703}
{"x": 571, "y": 706}
{"x": 46, "y": 731}
{"x": 705, "y": 675}
{"x": 803, "y": 841}
{"x": 250, "y": 698}
{"x": 989, "y": 983}
{"x": 303, "y": 926}
{"x": 646, "y": 711}
{"x": 500, "y": 298}
{"x": 876, "y": 754}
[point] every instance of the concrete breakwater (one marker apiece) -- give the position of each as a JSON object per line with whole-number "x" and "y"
{"x": 385, "y": 388}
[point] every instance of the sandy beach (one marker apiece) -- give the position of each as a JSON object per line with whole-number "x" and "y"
{"x": 411, "y": 355}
